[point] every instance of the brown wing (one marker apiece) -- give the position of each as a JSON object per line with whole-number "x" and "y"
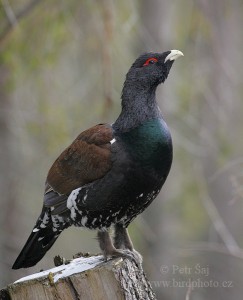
{"x": 87, "y": 159}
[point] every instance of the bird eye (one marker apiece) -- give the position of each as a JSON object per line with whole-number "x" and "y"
{"x": 150, "y": 61}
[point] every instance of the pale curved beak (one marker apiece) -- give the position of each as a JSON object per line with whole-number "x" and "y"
{"x": 174, "y": 54}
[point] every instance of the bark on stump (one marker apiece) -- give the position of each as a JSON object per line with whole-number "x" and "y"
{"x": 84, "y": 278}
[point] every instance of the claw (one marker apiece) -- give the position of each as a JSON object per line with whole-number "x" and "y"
{"x": 125, "y": 253}
{"x": 110, "y": 251}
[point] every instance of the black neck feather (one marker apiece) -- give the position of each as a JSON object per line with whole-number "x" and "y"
{"x": 138, "y": 106}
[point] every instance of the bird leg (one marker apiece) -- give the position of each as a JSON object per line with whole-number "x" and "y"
{"x": 122, "y": 239}
{"x": 108, "y": 248}
{"x": 106, "y": 244}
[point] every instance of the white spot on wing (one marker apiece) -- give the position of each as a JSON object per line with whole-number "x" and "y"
{"x": 72, "y": 197}
{"x": 73, "y": 213}
{"x": 112, "y": 141}
{"x": 56, "y": 222}
{"x": 71, "y": 202}
{"x": 84, "y": 220}
{"x": 44, "y": 221}
{"x": 36, "y": 229}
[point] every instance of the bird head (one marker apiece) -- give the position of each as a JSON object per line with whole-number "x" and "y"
{"x": 150, "y": 69}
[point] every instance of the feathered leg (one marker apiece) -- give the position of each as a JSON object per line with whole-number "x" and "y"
{"x": 126, "y": 251}
{"x": 122, "y": 240}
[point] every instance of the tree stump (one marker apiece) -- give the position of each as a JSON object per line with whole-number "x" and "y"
{"x": 89, "y": 278}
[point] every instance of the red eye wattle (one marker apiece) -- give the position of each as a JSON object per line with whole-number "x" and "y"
{"x": 150, "y": 61}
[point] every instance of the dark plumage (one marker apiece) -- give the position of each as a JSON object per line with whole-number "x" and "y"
{"x": 110, "y": 173}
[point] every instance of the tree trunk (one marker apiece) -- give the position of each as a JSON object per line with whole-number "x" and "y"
{"x": 84, "y": 278}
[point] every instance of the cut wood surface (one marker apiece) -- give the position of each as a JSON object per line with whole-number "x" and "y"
{"x": 84, "y": 278}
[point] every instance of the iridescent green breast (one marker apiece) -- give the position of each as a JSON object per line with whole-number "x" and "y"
{"x": 150, "y": 145}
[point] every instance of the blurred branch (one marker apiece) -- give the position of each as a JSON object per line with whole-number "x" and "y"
{"x": 214, "y": 215}
{"x": 219, "y": 225}
{"x": 225, "y": 168}
{"x": 9, "y": 12}
{"x": 145, "y": 229}
{"x": 237, "y": 189}
{"x": 106, "y": 53}
{"x": 14, "y": 18}
{"x": 210, "y": 247}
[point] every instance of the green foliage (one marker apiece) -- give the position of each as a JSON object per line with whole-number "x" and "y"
{"x": 30, "y": 49}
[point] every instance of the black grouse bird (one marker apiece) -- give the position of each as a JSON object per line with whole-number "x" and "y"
{"x": 110, "y": 173}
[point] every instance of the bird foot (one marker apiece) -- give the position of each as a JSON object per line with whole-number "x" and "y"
{"x": 125, "y": 253}
{"x": 109, "y": 250}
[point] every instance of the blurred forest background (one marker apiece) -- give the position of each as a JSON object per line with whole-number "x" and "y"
{"x": 62, "y": 66}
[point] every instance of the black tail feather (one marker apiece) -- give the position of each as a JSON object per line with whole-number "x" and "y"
{"x": 40, "y": 240}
